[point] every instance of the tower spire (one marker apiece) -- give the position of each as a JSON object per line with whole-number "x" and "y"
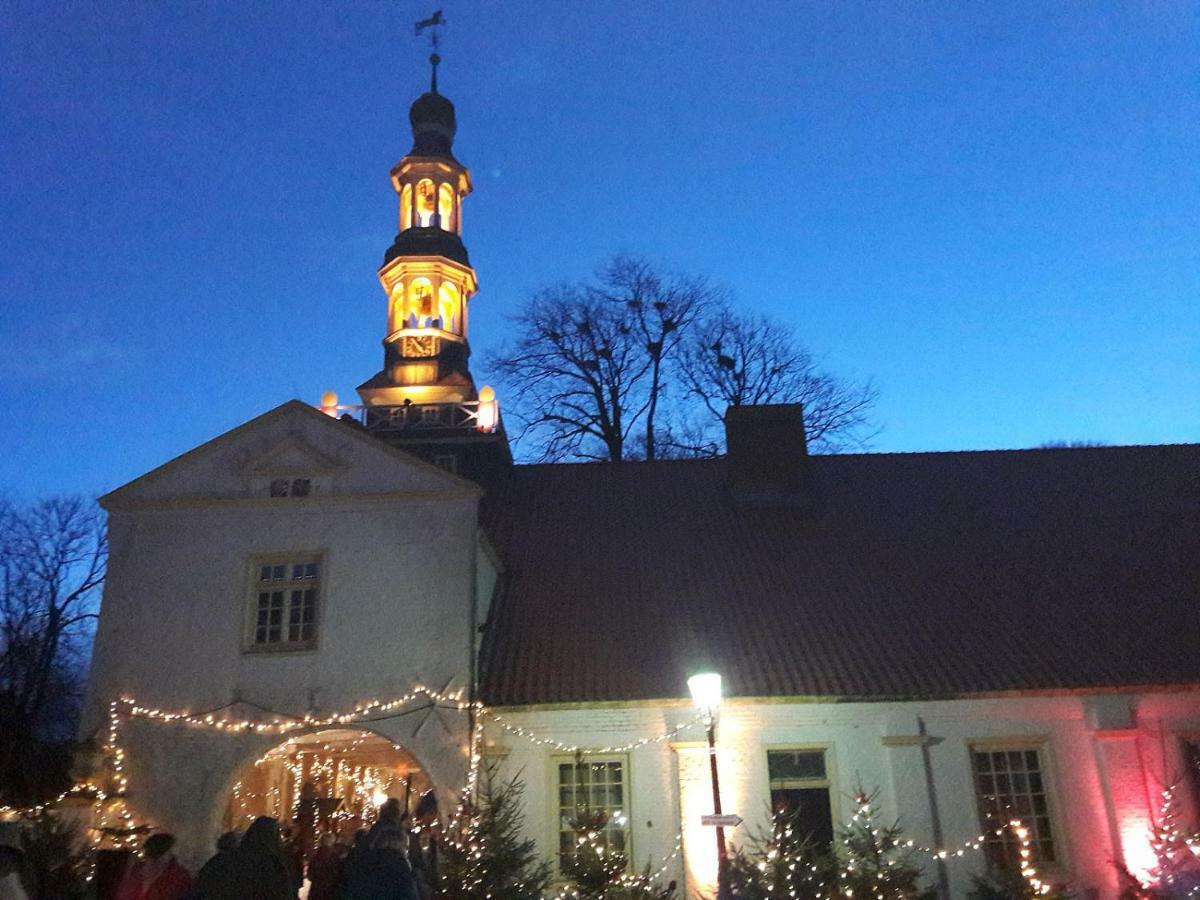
{"x": 433, "y": 23}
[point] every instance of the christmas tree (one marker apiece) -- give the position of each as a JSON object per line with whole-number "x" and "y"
{"x": 781, "y": 865}
{"x": 487, "y": 858}
{"x": 874, "y": 861}
{"x": 877, "y": 860}
{"x": 595, "y": 871}
{"x": 1177, "y": 872}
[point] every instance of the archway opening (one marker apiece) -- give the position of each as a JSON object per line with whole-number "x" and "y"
{"x": 328, "y": 782}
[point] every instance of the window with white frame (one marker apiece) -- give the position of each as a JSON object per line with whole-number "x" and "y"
{"x": 800, "y": 793}
{"x": 1010, "y": 783}
{"x": 594, "y": 789}
{"x": 284, "y": 603}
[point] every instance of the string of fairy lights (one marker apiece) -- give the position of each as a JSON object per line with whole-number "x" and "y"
{"x": 115, "y": 822}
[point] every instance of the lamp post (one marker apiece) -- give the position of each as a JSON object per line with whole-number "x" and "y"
{"x": 706, "y": 693}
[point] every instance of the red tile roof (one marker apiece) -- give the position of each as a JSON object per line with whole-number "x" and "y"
{"x": 926, "y": 574}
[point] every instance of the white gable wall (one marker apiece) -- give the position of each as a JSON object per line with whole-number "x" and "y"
{"x": 400, "y": 566}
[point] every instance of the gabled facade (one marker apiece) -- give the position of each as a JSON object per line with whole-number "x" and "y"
{"x": 286, "y": 566}
{"x": 956, "y": 630}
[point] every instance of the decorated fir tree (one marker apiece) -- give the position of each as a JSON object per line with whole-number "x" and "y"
{"x": 1177, "y": 872}
{"x": 486, "y": 857}
{"x": 781, "y": 864}
{"x": 873, "y": 861}
{"x": 877, "y": 860}
{"x": 595, "y": 871}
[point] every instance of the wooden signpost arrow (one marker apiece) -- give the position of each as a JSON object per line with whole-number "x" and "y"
{"x": 728, "y": 820}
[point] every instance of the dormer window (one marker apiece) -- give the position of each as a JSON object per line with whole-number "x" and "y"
{"x": 291, "y": 487}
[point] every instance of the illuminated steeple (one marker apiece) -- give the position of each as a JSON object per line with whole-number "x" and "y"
{"x": 424, "y": 400}
{"x": 426, "y": 273}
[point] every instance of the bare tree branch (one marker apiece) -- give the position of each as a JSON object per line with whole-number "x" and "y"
{"x": 52, "y": 563}
{"x": 735, "y": 360}
{"x": 603, "y": 370}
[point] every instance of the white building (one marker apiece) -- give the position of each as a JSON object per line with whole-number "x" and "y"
{"x": 948, "y": 628}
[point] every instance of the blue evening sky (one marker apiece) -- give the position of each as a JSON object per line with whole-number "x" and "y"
{"x": 993, "y": 209}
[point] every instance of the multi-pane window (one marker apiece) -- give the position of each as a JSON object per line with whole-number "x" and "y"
{"x": 285, "y": 603}
{"x": 800, "y": 794}
{"x": 593, "y": 790}
{"x": 290, "y": 487}
{"x": 1010, "y": 784}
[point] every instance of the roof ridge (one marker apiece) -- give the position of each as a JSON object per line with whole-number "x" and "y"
{"x": 692, "y": 460}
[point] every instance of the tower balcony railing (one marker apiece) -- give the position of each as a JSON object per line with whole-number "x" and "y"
{"x": 470, "y": 415}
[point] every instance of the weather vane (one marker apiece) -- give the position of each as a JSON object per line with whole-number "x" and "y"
{"x": 433, "y": 23}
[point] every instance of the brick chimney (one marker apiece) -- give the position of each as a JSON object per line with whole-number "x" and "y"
{"x": 766, "y": 453}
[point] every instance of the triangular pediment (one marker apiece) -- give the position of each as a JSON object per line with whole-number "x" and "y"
{"x": 293, "y": 456}
{"x": 335, "y": 459}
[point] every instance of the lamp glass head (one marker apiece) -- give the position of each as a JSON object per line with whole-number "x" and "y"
{"x": 706, "y": 691}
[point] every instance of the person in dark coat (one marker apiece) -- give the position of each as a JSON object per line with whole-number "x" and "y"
{"x": 13, "y": 879}
{"x": 382, "y": 872}
{"x": 256, "y": 870}
{"x": 157, "y": 875}
{"x": 324, "y": 869}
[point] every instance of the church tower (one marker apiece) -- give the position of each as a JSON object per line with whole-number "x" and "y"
{"x": 426, "y": 273}
{"x": 424, "y": 398}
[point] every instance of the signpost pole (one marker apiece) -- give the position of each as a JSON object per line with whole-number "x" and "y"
{"x": 723, "y": 890}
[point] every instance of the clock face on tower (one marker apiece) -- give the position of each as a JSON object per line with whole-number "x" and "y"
{"x": 420, "y": 346}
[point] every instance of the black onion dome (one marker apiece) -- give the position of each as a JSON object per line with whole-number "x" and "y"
{"x": 428, "y": 242}
{"x": 431, "y": 107}
{"x": 433, "y": 125}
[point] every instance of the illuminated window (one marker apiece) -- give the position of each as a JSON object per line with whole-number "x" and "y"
{"x": 420, "y": 303}
{"x": 426, "y": 201}
{"x": 800, "y": 793}
{"x": 446, "y": 206}
{"x": 1010, "y": 784}
{"x": 285, "y": 604}
{"x": 406, "y": 207}
{"x": 448, "y": 308}
{"x": 594, "y": 789}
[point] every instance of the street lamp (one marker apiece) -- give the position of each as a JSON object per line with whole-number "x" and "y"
{"x": 706, "y": 694}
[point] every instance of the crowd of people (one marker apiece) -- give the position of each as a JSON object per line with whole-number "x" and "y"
{"x": 385, "y": 863}
{"x": 266, "y": 862}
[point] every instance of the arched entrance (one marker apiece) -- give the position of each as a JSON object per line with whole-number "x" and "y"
{"x": 327, "y": 782}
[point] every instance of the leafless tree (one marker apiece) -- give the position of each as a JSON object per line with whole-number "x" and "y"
{"x": 52, "y": 563}
{"x": 589, "y": 368}
{"x": 604, "y": 370}
{"x": 737, "y": 360}
{"x": 576, "y": 371}
{"x": 661, "y": 307}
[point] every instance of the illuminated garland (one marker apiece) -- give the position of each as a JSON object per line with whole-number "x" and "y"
{"x": 563, "y": 747}
{"x": 126, "y": 835}
{"x": 364, "y": 712}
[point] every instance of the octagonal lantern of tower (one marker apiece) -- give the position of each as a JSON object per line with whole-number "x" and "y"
{"x": 426, "y": 273}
